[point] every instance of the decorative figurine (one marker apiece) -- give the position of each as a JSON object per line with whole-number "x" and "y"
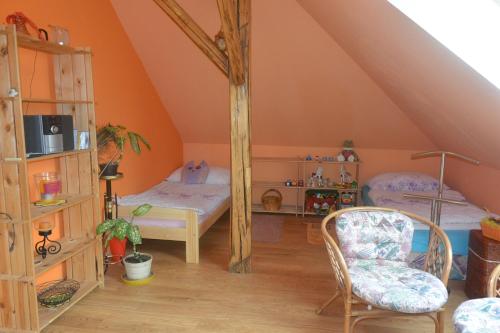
{"x": 348, "y": 153}
{"x": 309, "y": 158}
{"x": 345, "y": 176}
{"x": 346, "y": 200}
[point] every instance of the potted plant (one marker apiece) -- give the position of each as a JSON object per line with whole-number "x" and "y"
{"x": 137, "y": 265}
{"x": 111, "y": 142}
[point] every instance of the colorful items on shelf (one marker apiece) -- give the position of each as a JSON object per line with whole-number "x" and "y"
{"x": 345, "y": 176}
{"x": 318, "y": 158}
{"x": 348, "y": 154}
{"x": 321, "y": 202}
{"x": 317, "y": 180}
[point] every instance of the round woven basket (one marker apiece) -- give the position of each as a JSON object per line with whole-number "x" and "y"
{"x": 56, "y": 293}
{"x": 271, "y": 200}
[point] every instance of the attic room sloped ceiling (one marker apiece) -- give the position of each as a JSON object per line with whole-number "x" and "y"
{"x": 306, "y": 90}
{"x": 452, "y": 104}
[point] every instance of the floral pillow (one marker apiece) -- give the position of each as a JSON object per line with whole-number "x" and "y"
{"x": 404, "y": 182}
{"x": 375, "y": 235}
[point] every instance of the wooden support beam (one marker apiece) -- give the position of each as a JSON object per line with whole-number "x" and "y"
{"x": 230, "y": 27}
{"x": 241, "y": 161}
{"x": 235, "y": 18}
{"x": 195, "y": 33}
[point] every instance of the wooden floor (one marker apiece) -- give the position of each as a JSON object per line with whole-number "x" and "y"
{"x": 290, "y": 280}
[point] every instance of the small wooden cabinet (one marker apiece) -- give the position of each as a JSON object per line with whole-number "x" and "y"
{"x": 81, "y": 254}
{"x": 483, "y": 257}
{"x": 272, "y": 173}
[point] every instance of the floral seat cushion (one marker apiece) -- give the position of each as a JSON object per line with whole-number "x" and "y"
{"x": 397, "y": 287}
{"x": 478, "y": 316}
{"x": 375, "y": 235}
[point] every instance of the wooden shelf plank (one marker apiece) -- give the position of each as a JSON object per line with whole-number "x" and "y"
{"x": 69, "y": 248}
{"x": 47, "y": 100}
{"x": 58, "y": 155}
{"x": 72, "y": 200}
{"x": 48, "y": 315}
{"x": 283, "y": 186}
{"x": 300, "y": 160}
{"x": 55, "y": 101}
{"x": 32, "y": 43}
{"x": 285, "y": 209}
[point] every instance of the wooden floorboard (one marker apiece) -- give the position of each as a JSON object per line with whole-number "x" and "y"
{"x": 290, "y": 280}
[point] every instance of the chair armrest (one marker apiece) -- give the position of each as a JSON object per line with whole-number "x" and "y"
{"x": 337, "y": 260}
{"x": 494, "y": 282}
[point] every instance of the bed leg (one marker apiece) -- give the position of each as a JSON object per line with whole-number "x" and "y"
{"x": 192, "y": 239}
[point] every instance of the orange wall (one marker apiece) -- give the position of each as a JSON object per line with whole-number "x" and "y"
{"x": 123, "y": 92}
{"x": 306, "y": 91}
{"x": 375, "y": 161}
{"x": 480, "y": 184}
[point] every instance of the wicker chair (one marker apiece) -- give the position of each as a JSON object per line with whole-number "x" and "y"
{"x": 481, "y": 315}
{"x": 370, "y": 268}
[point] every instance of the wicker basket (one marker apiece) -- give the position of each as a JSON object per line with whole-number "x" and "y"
{"x": 271, "y": 200}
{"x": 56, "y": 293}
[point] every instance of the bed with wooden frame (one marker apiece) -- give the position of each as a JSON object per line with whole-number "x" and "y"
{"x": 184, "y": 222}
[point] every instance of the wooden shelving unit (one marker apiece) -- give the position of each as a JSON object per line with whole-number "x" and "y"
{"x": 81, "y": 252}
{"x": 301, "y": 167}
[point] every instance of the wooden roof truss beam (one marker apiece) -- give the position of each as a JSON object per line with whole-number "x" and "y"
{"x": 195, "y": 33}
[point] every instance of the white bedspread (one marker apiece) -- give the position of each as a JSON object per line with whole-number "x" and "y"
{"x": 203, "y": 198}
{"x": 453, "y": 217}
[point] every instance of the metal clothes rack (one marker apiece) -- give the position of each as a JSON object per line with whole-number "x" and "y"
{"x": 436, "y": 202}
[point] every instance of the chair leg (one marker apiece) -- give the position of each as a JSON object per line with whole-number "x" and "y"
{"x": 440, "y": 322}
{"x": 347, "y": 324}
{"x": 327, "y": 303}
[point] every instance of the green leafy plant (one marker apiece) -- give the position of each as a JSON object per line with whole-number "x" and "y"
{"x": 115, "y": 137}
{"x": 121, "y": 228}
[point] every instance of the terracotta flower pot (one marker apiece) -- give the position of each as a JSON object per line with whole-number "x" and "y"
{"x": 117, "y": 248}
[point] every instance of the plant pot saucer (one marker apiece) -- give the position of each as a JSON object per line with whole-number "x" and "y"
{"x": 112, "y": 177}
{"x": 141, "y": 282}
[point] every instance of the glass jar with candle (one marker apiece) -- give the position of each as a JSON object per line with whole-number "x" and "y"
{"x": 48, "y": 184}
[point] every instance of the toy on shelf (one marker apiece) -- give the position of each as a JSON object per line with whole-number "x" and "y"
{"x": 346, "y": 200}
{"x": 316, "y": 179}
{"x": 348, "y": 154}
{"x": 345, "y": 176}
{"x": 320, "y": 202}
{"x": 294, "y": 183}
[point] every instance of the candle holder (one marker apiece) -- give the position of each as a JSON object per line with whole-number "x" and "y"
{"x": 46, "y": 245}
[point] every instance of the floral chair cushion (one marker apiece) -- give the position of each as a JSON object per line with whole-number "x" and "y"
{"x": 478, "y": 316}
{"x": 375, "y": 235}
{"x": 397, "y": 287}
